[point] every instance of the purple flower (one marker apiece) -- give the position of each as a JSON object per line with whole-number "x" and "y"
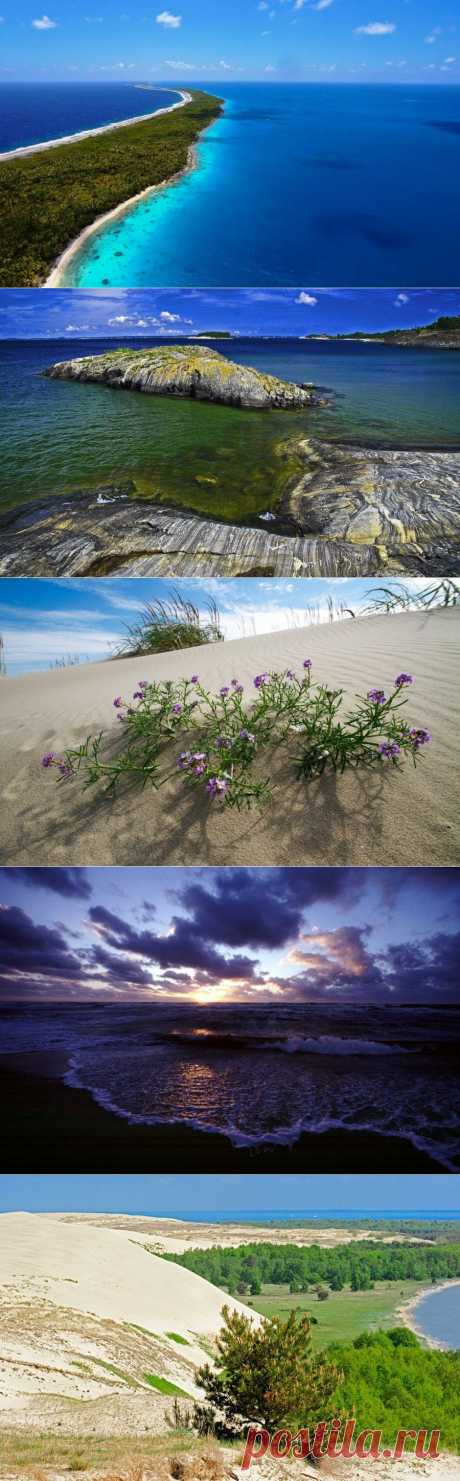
{"x": 260, "y": 680}
{"x": 307, "y": 663}
{"x": 143, "y": 683}
{"x": 118, "y": 702}
{"x": 197, "y": 755}
{"x": 377, "y": 696}
{"x": 239, "y": 688}
{"x": 194, "y": 678}
{"x": 122, "y": 718}
{"x": 138, "y": 694}
{"x": 184, "y": 759}
{"x": 199, "y": 770}
{"x": 419, "y": 738}
{"x": 222, "y": 742}
{"x": 225, "y": 690}
{"x": 48, "y": 758}
{"x": 236, "y": 684}
{"x": 403, "y": 679}
{"x": 216, "y": 786}
{"x": 177, "y": 709}
{"x": 389, "y": 748}
{"x": 64, "y": 769}
{"x": 289, "y": 674}
{"x": 246, "y": 735}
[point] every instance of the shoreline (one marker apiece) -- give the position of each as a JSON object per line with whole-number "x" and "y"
{"x": 407, "y": 1312}
{"x": 43, "y": 1111}
{"x": 105, "y": 128}
{"x": 55, "y": 278}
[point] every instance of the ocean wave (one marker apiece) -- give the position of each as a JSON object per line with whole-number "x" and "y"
{"x": 283, "y": 1136}
{"x": 289, "y": 1044}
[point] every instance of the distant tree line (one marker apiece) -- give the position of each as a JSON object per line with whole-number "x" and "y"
{"x": 246, "y": 1269}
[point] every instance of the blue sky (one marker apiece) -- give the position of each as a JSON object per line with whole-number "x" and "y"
{"x": 234, "y": 40}
{"x": 189, "y": 1195}
{"x": 42, "y": 622}
{"x": 31, "y": 314}
{"x": 203, "y": 936}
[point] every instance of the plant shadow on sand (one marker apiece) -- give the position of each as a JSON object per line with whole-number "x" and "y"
{"x": 308, "y": 821}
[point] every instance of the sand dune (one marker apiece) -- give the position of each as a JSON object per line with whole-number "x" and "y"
{"x": 176, "y": 1235}
{"x": 377, "y": 817}
{"x": 104, "y": 1272}
{"x": 86, "y": 1314}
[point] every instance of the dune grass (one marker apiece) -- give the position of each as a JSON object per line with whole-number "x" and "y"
{"x": 164, "y": 1386}
{"x": 24, "y": 1450}
{"x": 47, "y": 199}
{"x": 169, "y": 624}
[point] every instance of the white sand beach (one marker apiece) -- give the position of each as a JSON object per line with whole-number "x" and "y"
{"x": 377, "y": 817}
{"x": 105, "y": 128}
{"x": 407, "y": 1313}
{"x": 56, "y": 278}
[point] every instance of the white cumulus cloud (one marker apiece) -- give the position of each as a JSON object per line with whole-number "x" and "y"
{"x": 376, "y": 28}
{"x": 172, "y": 22}
{"x": 306, "y": 298}
{"x": 44, "y": 24}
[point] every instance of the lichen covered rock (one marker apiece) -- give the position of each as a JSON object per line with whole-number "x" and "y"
{"x": 185, "y": 370}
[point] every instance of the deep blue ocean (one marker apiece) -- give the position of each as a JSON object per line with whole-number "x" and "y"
{"x": 326, "y": 184}
{"x": 32, "y": 112}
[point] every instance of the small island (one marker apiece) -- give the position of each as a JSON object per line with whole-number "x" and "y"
{"x": 442, "y": 334}
{"x": 186, "y": 370}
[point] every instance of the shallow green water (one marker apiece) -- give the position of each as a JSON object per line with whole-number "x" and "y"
{"x": 61, "y": 436}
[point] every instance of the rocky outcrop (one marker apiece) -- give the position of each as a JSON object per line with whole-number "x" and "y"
{"x": 185, "y": 370}
{"x": 352, "y": 512}
{"x": 107, "y": 532}
{"x": 405, "y": 504}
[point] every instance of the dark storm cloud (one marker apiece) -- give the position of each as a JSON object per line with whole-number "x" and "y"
{"x": 428, "y": 970}
{"x": 69, "y": 883}
{"x": 263, "y": 908}
{"x": 35, "y": 949}
{"x": 118, "y": 969}
{"x": 183, "y": 948}
{"x": 420, "y": 973}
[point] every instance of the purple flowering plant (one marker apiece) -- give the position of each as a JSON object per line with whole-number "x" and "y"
{"x": 214, "y": 742}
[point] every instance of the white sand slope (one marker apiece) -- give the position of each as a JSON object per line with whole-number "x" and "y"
{"x": 86, "y": 1315}
{"x": 375, "y": 817}
{"x": 104, "y": 1272}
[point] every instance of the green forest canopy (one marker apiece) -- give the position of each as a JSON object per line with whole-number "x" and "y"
{"x": 250, "y": 1266}
{"x": 47, "y": 198}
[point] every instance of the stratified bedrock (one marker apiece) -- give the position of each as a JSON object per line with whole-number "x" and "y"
{"x": 180, "y": 370}
{"x": 342, "y": 511}
{"x": 353, "y": 512}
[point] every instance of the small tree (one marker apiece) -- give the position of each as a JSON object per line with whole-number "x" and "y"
{"x": 322, "y": 1293}
{"x": 266, "y": 1374}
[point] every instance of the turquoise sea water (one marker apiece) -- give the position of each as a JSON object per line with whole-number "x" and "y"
{"x": 438, "y": 1316}
{"x": 59, "y": 436}
{"x": 33, "y": 112}
{"x": 301, "y": 183}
